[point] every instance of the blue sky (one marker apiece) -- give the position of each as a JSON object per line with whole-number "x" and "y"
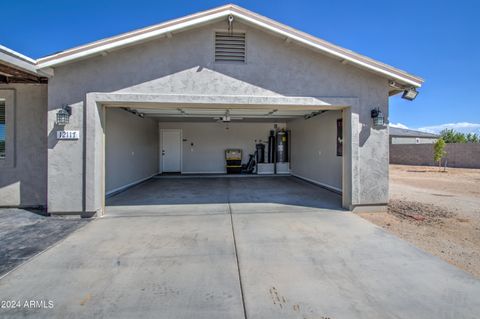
{"x": 437, "y": 40}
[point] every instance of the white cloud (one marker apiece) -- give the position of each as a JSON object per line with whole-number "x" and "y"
{"x": 399, "y": 125}
{"x": 463, "y": 127}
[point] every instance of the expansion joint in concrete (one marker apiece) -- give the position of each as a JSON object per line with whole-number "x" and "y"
{"x": 236, "y": 252}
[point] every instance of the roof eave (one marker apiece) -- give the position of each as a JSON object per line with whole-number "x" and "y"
{"x": 17, "y": 60}
{"x": 133, "y": 37}
{"x": 217, "y": 13}
{"x": 342, "y": 54}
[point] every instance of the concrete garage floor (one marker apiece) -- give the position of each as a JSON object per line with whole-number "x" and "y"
{"x": 235, "y": 248}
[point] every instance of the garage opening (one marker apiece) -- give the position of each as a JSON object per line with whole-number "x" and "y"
{"x": 275, "y": 147}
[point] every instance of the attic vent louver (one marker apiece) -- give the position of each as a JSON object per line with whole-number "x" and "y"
{"x": 229, "y": 47}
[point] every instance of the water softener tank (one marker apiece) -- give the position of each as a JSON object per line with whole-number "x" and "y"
{"x": 282, "y": 146}
{"x": 260, "y": 152}
{"x": 271, "y": 146}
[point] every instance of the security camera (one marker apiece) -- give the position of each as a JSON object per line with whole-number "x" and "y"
{"x": 230, "y": 18}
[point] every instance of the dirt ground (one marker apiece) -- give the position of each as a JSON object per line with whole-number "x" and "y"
{"x": 437, "y": 211}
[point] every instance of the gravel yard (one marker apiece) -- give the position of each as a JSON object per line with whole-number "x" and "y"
{"x": 436, "y": 211}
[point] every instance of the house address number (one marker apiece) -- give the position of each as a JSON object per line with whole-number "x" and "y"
{"x": 68, "y": 135}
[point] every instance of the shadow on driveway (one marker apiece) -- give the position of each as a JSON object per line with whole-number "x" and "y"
{"x": 24, "y": 234}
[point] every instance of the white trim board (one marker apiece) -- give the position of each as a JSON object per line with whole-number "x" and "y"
{"x": 126, "y": 186}
{"x": 326, "y": 186}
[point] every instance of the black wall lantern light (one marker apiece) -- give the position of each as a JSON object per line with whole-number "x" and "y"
{"x": 63, "y": 115}
{"x": 378, "y": 118}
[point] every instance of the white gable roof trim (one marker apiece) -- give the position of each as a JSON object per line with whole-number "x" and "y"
{"x": 17, "y": 60}
{"x": 201, "y": 18}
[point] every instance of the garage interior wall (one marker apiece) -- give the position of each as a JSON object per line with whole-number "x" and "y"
{"x": 314, "y": 149}
{"x": 131, "y": 149}
{"x": 23, "y": 174}
{"x": 210, "y": 139}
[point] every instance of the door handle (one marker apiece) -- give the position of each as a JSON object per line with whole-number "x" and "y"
{"x": 163, "y": 152}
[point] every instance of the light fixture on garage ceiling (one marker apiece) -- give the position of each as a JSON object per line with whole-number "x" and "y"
{"x": 63, "y": 115}
{"x": 227, "y": 117}
{"x": 410, "y": 94}
{"x": 378, "y": 118}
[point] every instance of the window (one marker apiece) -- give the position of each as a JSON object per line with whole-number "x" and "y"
{"x": 3, "y": 129}
{"x": 230, "y": 47}
{"x": 7, "y": 128}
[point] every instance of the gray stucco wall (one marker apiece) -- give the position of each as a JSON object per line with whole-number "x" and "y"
{"x": 314, "y": 149}
{"x": 131, "y": 149}
{"x": 23, "y": 180}
{"x": 211, "y": 139}
{"x": 184, "y": 65}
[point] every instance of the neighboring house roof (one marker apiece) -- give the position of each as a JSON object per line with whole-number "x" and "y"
{"x": 243, "y": 15}
{"x": 402, "y": 132}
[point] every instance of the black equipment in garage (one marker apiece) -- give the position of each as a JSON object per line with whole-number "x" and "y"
{"x": 271, "y": 146}
{"x": 260, "y": 151}
{"x": 250, "y": 166}
{"x": 276, "y": 161}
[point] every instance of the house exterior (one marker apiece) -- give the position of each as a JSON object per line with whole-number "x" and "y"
{"x": 220, "y": 79}
{"x": 406, "y": 136}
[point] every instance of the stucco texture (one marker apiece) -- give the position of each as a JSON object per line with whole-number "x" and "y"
{"x": 184, "y": 64}
{"x": 23, "y": 175}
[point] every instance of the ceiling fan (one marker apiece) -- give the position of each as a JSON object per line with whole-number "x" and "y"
{"x": 227, "y": 118}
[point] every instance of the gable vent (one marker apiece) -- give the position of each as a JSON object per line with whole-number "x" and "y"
{"x": 229, "y": 47}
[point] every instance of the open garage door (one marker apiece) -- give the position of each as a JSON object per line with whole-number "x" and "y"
{"x": 142, "y": 143}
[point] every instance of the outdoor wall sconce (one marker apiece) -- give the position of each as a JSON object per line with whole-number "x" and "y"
{"x": 410, "y": 94}
{"x": 63, "y": 115}
{"x": 377, "y": 116}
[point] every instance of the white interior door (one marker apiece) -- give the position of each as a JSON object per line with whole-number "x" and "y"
{"x": 171, "y": 150}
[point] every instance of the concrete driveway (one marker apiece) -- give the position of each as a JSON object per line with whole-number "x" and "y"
{"x": 236, "y": 248}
